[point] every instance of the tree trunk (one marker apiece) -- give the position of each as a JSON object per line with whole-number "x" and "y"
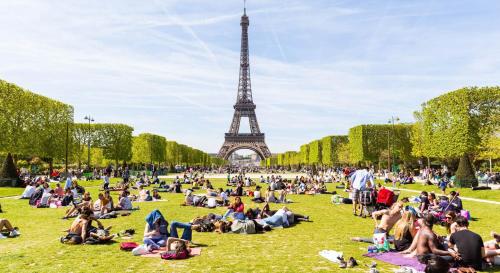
{"x": 465, "y": 176}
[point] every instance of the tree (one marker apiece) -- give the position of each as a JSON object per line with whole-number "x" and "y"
{"x": 314, "y": 152}
{"x": 8, "y": 173}
{"x": 368, "y": 142}
{"x": 32, "y": 124}
{"x": 330, "y": 149}
{"x": 148, "y": 148}
{"x": 304, "y": 154}
{"x": 457, "y": 123}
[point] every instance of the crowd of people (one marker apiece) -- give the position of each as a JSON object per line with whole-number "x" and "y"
{"x": 410, "y": 220}
{"x": 413, "y": 227}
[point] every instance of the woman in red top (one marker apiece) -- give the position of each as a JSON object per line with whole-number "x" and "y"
{"x": 237, "y": 208}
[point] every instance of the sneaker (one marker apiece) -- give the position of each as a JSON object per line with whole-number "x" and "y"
{"x": 342, "y": 263}
{"x": 351, "y": 262}
{"x": 2, "y": 237}
{"x": 14, "y": 233}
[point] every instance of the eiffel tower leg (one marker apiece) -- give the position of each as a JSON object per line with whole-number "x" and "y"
{"x": 235, "y": 124}
{"x": 254, "y": 126}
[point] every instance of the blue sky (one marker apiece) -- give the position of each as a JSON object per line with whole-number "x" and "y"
{"x": 318, "y": 67}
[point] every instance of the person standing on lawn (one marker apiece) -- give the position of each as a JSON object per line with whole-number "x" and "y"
{"x": 361, "y": 180}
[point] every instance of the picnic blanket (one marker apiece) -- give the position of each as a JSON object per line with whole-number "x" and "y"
{"x": 195, "y": 251}
{"x": 396, "y": 258}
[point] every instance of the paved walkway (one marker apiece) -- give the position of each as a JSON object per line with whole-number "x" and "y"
{"x": 461, "y": 197}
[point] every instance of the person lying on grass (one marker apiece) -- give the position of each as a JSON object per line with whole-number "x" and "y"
{"x": 388, "y": 217}
{"x": 7, "y": 230}
{"x": 283, "y": 217}
{"x": 156, "y": 230}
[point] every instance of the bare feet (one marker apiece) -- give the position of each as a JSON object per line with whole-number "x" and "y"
{"x": 195, "y": 227}
{"x": 496, "y": 236}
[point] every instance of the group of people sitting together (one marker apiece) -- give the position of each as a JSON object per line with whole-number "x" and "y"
{"x": 413, "y": 228}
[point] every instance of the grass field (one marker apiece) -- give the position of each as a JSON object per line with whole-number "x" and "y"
{"x": 292, "y": 249}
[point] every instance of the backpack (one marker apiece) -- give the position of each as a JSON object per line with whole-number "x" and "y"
{"x": 128, "y": 246}
{"x": 173, "y": 255}
{"x": 205, "y": 225}
{"x": 37, "y": 195}
{"x": 347, "y": 201}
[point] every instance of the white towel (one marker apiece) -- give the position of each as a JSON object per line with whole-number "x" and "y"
{"x": 331, "y": 255}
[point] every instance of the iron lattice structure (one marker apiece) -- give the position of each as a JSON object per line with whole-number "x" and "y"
{"x": 244, "y": 107}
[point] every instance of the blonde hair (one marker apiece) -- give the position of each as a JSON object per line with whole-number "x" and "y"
{"x": 404, "y": 225}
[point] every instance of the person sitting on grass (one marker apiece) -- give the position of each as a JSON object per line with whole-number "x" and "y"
{"x": 7, "y": 230}
{"x": 82, "y": 231}
{"x": 257, "y": 196}
{"x": 124, "y": 203}
{"x": 156, "y": 195}
{"x": 28, "y": 191}
{"x": 404, "y": 231}
{"x": 156, "y": 230}
{"x": 86, "y": 202}
{"x": 455, "y": 202}
{"x": 468, "y": 245}
{"x": 388, "y": 217}
{"x": 428, "y": 242}
{"x": 47, "y": 199}
{"x": 492, "y": 248}
{"x": 67, "y": 199}
{"x": 59, "y": 191}
{"x": 102, "y": 205}
{"x": 237, "y": 209}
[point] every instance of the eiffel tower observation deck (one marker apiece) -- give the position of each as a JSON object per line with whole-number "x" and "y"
{"x": 244, "y": 107}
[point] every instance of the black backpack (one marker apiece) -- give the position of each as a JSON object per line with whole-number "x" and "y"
{"x": 37, "y": 195}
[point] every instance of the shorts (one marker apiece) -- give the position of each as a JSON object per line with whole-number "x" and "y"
{"x": 355, "y": 195}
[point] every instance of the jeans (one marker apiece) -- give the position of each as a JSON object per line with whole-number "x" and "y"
{"x": 155, "y": 242}
{"x": 278, "y": 219}
{"x": 236, "y": 215}
{"x": 187, "y": 234}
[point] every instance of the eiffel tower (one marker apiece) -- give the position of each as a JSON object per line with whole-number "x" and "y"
{"x": 244, "y": 107}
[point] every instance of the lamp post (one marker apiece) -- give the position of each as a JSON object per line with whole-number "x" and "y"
{"x": 90, "y": 119}
{"x": 392, "y": 121}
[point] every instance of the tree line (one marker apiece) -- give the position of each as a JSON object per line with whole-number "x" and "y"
{"x": 455, "y": 128}
{"x": 37, "y": 126}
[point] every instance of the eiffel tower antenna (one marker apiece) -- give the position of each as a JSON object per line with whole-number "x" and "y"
{"x": 244, "y": 107}
{"x": 245, "y": 7}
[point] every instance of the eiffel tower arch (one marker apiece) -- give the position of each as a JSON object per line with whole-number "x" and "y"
{"x": 244, "y": 107}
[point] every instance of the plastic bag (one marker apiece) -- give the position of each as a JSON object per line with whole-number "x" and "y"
{"x": 140, "y": 250}
{"x": 380, "y": 241}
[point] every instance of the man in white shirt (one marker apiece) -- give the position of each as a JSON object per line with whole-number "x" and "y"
{"x": 361, "y": 180}
{"x": 28, "y": 191}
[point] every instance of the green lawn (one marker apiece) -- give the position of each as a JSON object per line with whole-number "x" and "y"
{"x": 292, "y": 249}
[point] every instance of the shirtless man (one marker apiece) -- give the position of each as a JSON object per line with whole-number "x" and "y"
{"x": 78, "y": 232}
{"x": 389, "y": 218}
{"x": 427, "y": 242}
